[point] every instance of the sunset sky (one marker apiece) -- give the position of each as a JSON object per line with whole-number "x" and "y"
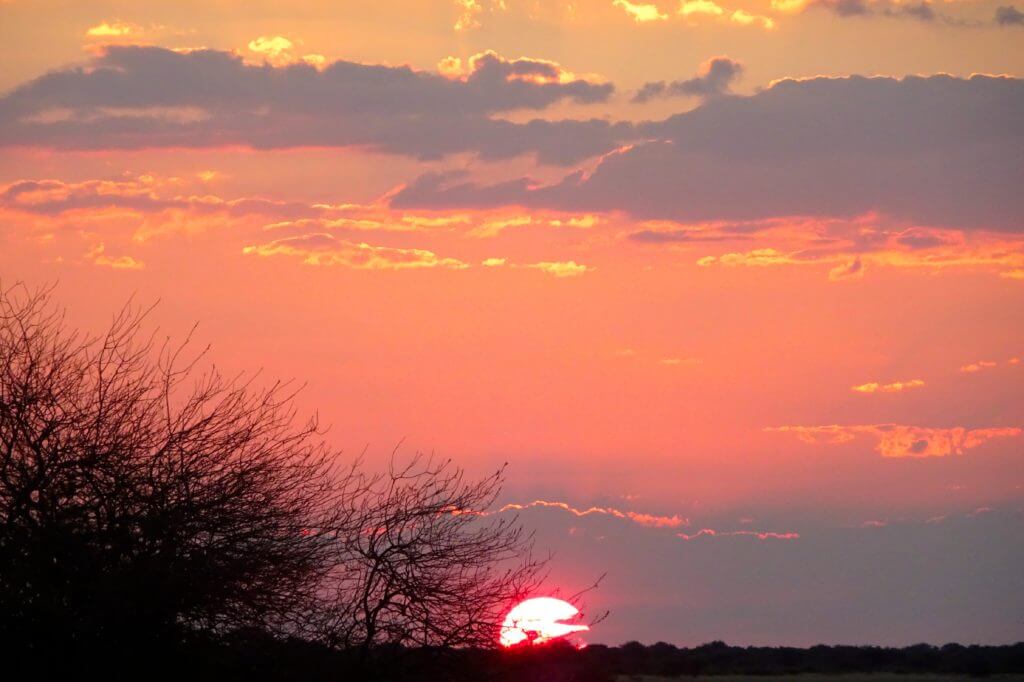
{"x": 736, "y": 288}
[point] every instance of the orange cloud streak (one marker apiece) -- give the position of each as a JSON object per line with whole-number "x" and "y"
{"x": 898, "y": 440}
{"x": 325, "y": 250}
{"x": 894, "y": 387}
{"x": 649, "y": 520}
{"x": 760, "y": 535}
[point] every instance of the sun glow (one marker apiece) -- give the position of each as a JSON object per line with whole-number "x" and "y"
{"x": 539, "y": 621}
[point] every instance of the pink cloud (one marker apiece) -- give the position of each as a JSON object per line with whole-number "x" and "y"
{"x": 899, "y": 440}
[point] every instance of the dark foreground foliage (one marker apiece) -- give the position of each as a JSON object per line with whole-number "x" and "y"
{"x": 255, "y": 655}
{"x": 151, "y": 510}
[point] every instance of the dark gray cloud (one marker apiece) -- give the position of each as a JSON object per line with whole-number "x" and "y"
{"x": 134, "y": 97}
{"x": 721, "y": 233}
{"x": 922, "y": 11}
{"x": 715, "y": 77}
{"x": 920, "y": 239}
{"x": 936, "y": 150}
{"x": 54, "y": 197}
{"x": 1009, "y": 16}
{"x": 844, "y": 8}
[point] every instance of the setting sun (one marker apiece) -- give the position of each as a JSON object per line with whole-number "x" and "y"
{"x": 539, "y": 621}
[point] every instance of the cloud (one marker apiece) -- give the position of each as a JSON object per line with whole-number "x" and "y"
{"x": 271, "y": 46}
{"x": 469, "y": 13}
{"x": 152, "y": 196}
{"x": 280, "y": 51}
{"x": 921, "y": 10}
{"x": 898, "y": 440}
{"x": 639, "y": 518}
{"x": 649, "y": 520}
{"x": 978, "y": 366}
{"x": 328, "y": 250}
{"x": 492, "y": 228}
{"x": 893, "y": 387}
{"x": 859, "y": 8}
{"x": 714, "y": 77}
{"x": 669, "y": 232}
{"x": 760, "y": 535}
{"x": 848, "y": 248}
{"x": 756, "y": 258}
{"x": 560, "y": 268}
{"x": 845, "y": 249}
{"x": 982, "y": 365}
{"x": 641, "y": 12}
{"x": 111, "y": 102}
{"x": 1009, "y": 15}
{"x": 147, "y": 206}
{"x": 694, "y": 8}
{"x": 745, "y": 18}
{"x": 112, "y": 29}
{"x": 847, "y": 271}
{"x": 489, "y": 66}
{"x": 938, "y": 150}
{"x": 678, "y": 362}
{"x": 97, "y": 256}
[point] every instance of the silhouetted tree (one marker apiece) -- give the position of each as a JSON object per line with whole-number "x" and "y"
{"x": 135, "y": 507}
{"x": 427, "y": 568}
{"x": 145, "y": 503}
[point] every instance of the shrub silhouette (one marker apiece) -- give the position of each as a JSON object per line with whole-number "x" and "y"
{"x": 146, "y": 505}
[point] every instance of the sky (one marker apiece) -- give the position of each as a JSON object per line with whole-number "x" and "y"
{"x": 735, "y": 288}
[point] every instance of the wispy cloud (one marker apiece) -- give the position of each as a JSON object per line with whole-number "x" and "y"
{"x": 745, "y": 18}
{"x": 281, "y": 51}
{"x": 899, "y": 440}
{"x": 641, "y": 12}
{"x": 327, "y": 250}
{"x": 98, "y": 256}
{"x": 679, "y": 362}
{"x": 714, "y": 77}
{"x": 646, "y": 520}
{"x": 891, "y": 387}
{"x": 649, "y": 520}
{"x": 568, "y": 268}
{"x": 760, "y": 535}
{"x": 113, "y": 29}
{"x": 978, "y": 366}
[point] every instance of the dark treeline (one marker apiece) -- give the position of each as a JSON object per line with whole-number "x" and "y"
{"x": 254, "y": 655}
{"x": 718, "y": 658}
{"x": 598, "y": 663}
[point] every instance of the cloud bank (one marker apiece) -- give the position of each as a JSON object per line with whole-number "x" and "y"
{"x": 938, "y": 150}
{"x": 133, "y": 97}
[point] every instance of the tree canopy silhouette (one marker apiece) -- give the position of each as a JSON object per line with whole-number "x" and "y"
{"x": 144, "y": 501}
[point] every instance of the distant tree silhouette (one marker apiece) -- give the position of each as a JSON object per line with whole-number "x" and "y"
{"x": 425, "y": 569}
{"x": 145, "y": 503}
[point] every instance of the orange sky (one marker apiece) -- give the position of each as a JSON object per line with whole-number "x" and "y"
{"x": 770, "y": 298}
